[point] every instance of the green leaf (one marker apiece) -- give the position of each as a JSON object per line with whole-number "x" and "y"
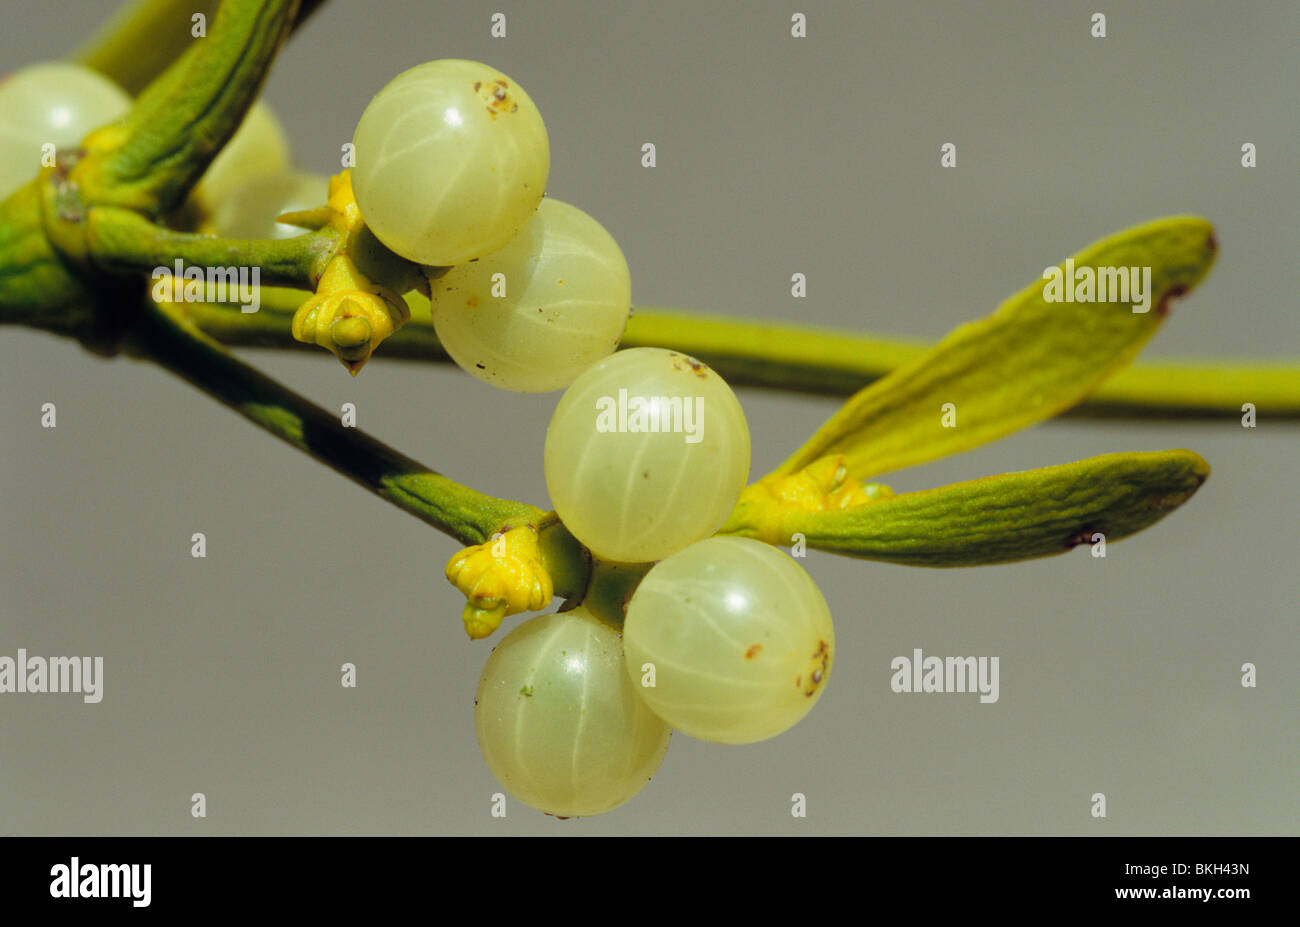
{"x": 1029, "y": 361}
{"x": 996, "y": 519}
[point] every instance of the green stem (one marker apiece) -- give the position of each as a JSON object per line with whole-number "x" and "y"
{"x": 610, "y": 588}
{"x": 833, "y": 362}
{"x": 756, "y": 353}
{"x": 161, "y": 334}
{"x": 1212, "y": 389}
{"x": 269, "y": 327}
{"x": 187, "y": 115}
{"x": 141, "y": 39}
{"x": 122, "y": 241}
{"x": 566, "y": 560}
{"x": 53, "y": 229}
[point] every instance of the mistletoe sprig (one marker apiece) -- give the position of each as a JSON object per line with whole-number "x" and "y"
{"x": 81, "y": 242}
{"x": 77, "y": 242}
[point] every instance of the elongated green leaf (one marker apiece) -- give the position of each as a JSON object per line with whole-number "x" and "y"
{"x": 997, "y": 519}
{"x": 1029, "y": 361}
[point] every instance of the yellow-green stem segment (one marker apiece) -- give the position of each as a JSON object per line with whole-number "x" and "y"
{"x": 832, "y": 362}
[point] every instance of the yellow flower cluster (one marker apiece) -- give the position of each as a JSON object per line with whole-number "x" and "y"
{"x": 349, "y": 315}
{"x": 503, "y": 576}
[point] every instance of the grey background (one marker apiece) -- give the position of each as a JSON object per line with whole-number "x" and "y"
{"x": 775, "y": 155}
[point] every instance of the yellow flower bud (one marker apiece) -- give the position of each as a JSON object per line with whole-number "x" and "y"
{"x": 823, "y": 486}
{"x": 503, "y": 576}
{"x": 349, "y": 316}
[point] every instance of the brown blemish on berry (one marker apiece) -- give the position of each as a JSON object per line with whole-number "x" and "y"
{"x": 821, "y": 661}
{"x": 699, "y": 369}
{"x": 753, "y": 651}
{"x": 496, "y": 96}
{"x": 472, "y": 301}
